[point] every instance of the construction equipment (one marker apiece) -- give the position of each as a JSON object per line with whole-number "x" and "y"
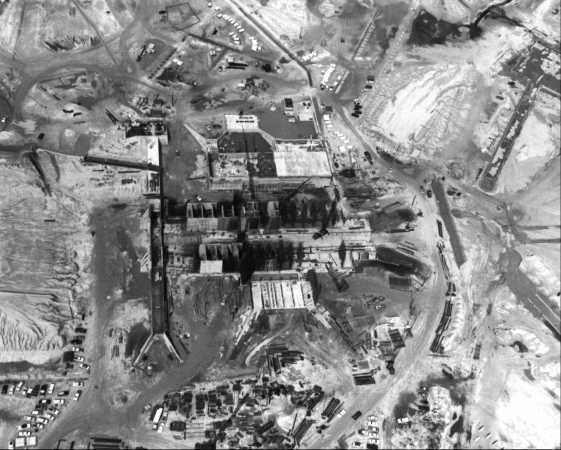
{"x": 296, "y": 190}
{"x": 338, "y": 278}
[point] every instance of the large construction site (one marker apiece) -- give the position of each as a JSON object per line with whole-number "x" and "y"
{"x": 279, "y": 224}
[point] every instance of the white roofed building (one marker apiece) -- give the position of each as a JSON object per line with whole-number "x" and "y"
{"x": 273, "y": 291}
{"x": 240, "y": 123}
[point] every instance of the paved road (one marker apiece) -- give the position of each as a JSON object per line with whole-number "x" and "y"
{"x": 527, "y": 293}
{"x": 257, "y": 24}
{"x": 506, "y": 142}
{"x": 449, "y": 221}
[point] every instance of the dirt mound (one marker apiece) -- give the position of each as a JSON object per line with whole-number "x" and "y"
{"x": 30, "y": 323}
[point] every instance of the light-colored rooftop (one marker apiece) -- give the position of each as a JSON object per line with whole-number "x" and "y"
{"x": 211, "y": 266}
{"x": 302, "y": 163}
{"x": 236, "y": 122}
{"x": 290, "y": 292}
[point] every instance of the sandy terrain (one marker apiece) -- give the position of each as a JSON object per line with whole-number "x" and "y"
{"x": 28, "y": 323}
{"x": 455, "y": 11}
{"x": 536, "y": 146}
{"x": 10, "y": 17}
{"x": 432, "y": 108}
{"x": 538, "y": 14}
{"x": 285, "y": 18}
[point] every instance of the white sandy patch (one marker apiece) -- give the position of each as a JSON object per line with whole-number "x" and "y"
{"x": 29, "y": 326}
{"x": 534, "y": 141}
{"x": 10, "y": 138}
{"x": 526, "y": 415}
{"x": 10, "y": 20}
{"x": 543, "y": 277}
{"x": 285, "y": 18}
{"x": 536, "y": 145}
{"x": 529, "y": 339}
{"x": 432, "y": 108}
{"x": 411, "y": 107}
{"x": 549, "y": 375}
{"x": 106, "y": 24}
{"x": 538, "y": 17}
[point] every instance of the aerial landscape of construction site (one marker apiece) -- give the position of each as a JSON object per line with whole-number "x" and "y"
{"x": 280, "y": 224}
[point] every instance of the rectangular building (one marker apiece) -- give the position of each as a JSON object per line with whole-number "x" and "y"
{"x": 272, "y": 291}
{"x": 240, "y": 123}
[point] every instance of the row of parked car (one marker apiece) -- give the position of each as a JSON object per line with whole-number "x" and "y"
{"x": 49, "y": 402}
{"x": 20, "y": 388}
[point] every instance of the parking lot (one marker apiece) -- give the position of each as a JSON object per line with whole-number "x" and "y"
{"x": 52, "y": 394}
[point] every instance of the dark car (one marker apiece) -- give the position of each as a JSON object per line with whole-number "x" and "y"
{"x": 319, "y": 234}
{"x": 356, "y": 415}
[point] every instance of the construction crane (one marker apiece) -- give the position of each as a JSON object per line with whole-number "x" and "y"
{"x": 249, "y": 166}
{"x": 296, "y": 190}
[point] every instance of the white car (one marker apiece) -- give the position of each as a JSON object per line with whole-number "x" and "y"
{"x": 77, "y": 395}
{"x": 51, "y": 388}
{"x": 341, "y": 413}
